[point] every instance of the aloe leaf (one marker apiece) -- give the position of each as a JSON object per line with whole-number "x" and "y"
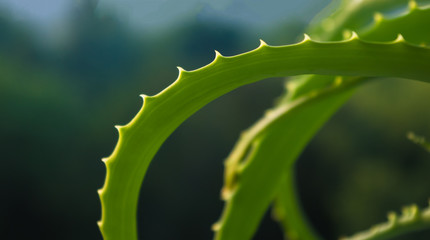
{"x": 251, "y": 183}
{"x": 163, "y": 113}
{"x": 411, "y": 23}
{"x": 356, "y": 16}
{"x": 411, "y": 219}
{"x": 287, "y": 209}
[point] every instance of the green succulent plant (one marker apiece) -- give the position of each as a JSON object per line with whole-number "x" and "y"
{"x": 349, "y": 44}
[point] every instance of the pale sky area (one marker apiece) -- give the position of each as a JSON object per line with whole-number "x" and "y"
{"x": 164, "y": 14}
{"x": 40, "y": 12}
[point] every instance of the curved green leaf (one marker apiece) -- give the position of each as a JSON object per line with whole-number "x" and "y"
{"x": 251, "y": 184}
{"x": 161, "y": 114}
{"x": 287, "y": 208}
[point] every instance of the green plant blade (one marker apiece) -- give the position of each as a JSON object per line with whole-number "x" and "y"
{"x": 253, "y": 180}
{"x": 354, "y": 16}
{"x": 163, "y": 113}
{"x": 288, "y": 211}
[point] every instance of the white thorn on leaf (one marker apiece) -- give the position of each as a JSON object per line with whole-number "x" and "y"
{"x": 262, "y": 43}
{"x": 100, "y": 191}
{"x": 306, "y": 38}
{"x": 399, "y": 38}
{"x": 354, "y": 36}
{"x": 217, "y": 54}
{"x": 180, "y": 69}
{"x": 216, "y": 226}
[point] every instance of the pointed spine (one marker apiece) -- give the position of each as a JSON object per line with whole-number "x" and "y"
{"x": 121, "y": 129}
{"x": 159, "y": 118}
{"x": 262, "y": 44}
{"x": 354, "y": 36}
{"x": 181, "y": 72}
{"x": 399, "y": 39}
{"x": 349, "y": 36}
{"x": 306, "y": 38}
{"x": 218, "y": 55}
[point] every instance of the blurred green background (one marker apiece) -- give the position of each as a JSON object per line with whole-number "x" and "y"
{"x": 71, "y": 70}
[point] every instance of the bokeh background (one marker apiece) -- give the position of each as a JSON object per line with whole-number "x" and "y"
{"x": 71, "y": 70}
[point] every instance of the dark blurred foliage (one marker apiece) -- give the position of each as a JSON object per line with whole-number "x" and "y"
{"x": 59, "y": 105}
